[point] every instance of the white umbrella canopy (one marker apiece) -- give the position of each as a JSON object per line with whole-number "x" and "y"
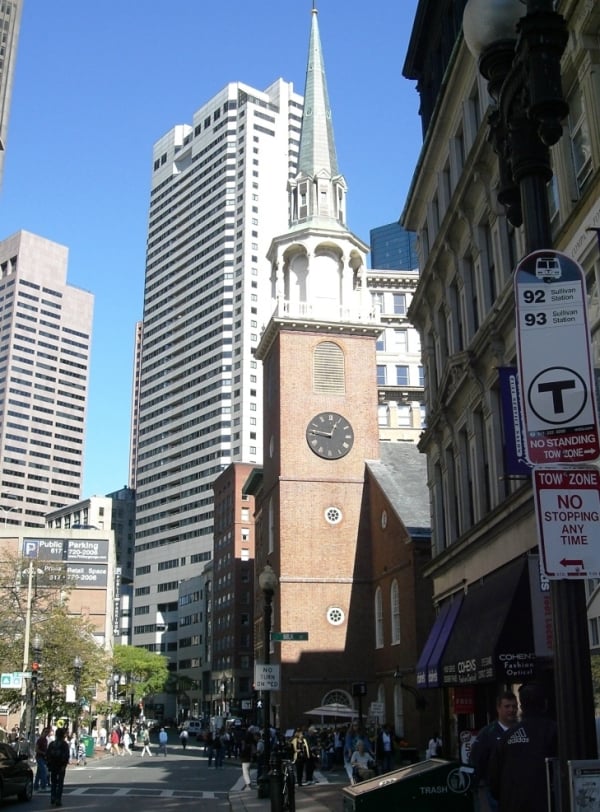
{"x": 335, "y": 709}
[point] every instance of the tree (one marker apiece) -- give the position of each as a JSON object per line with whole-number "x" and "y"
{"x": 44, "y": 608}
{"x": 145, "y": 672}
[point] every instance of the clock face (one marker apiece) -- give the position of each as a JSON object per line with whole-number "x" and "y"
{"x": 329, "y": 435}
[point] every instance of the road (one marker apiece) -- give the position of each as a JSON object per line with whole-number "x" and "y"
{"x": 182, "y": 781}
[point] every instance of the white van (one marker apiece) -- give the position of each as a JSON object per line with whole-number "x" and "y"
{"x": 193, "y": 726}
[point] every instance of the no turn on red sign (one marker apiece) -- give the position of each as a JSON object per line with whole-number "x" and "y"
{"x": 555, "y": 369}
{"x": 567, "y": 505}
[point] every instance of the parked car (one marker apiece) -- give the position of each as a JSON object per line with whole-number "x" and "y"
{"x": 16, "y": 776}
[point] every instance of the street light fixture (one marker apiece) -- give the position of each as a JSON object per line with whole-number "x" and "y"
{"x": 268, "y": 582}
{"x": 77, "y": 666}
{"x": 37, "y": 645}
{"x": 224, "y": 692}
{"x": 519, "y": 46}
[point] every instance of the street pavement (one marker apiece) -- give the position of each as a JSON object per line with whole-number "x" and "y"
{"x": 181, "y": 782}
{"x": 323, "y": 796}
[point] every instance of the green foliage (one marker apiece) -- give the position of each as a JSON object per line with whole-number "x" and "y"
{"x": 63, "y": 637}
{"x": 143, "y": 672}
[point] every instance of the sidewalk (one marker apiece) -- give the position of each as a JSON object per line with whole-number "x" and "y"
{"x": 324, "y": 796}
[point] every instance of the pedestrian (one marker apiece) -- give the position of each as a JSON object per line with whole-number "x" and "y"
{"x": 517, "y": 771}
{"x": 114, "y": 743}
{"x": 435, "y": 746}
{"x": 246, "y": 756}
{"x": 146, "y": 744}
{"x": 57, "y": 757}
{"x": 126, "y": 742}
{"x": 300, "y": 754}
{"x": 184, "y": 738}
{"x": 41, "y": 773}
{"x": 209, "y": 746}
{"x": 219, "y": 749}
{"x": 162, "y": 741}
{"x": 486, "y": 742}
{"x": 385, "y": 749}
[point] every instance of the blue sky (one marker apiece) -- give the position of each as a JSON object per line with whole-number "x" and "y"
{"x": 96, "y": 85}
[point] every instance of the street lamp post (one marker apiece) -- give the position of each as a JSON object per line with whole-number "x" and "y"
{"x": 224, "y": 692}
{"x": 35, "y": 674}
{"x": 77, "y": 666}
{"x": 520, "y": 56}
{"x": 268, "y": 582}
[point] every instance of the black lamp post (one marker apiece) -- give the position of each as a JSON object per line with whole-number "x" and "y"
{"x": 268, "y": 582}
{"x": 37, "y": 646}
{"x": 224, "y": 697}
{"x": 519, "y": 46}
{"x": 77, "y": 666}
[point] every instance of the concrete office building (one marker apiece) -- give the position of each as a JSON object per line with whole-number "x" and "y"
{"x": 10, "y": 23}
{"x": 45, "y": 333}
{"x": 218, "y": 195}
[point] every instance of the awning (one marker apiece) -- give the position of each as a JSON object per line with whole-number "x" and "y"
{"x": 492, "y": 639}
{"x": 428, "y": 673}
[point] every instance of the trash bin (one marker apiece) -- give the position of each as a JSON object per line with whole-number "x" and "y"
{"x": 429, "y": 786}
{"x": 88, "y": 743}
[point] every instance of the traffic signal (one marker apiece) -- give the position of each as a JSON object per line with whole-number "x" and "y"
{"x": 35, "y": 672}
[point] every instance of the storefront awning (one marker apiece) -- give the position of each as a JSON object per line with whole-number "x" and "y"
{"x": 428, "y": 672}
{"x": 492, "y": 638}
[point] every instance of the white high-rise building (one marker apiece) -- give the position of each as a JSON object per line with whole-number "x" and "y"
{"x": 45, "y": 335}
{"x": 219, "y": 193}
{"x": 10, "y": 23}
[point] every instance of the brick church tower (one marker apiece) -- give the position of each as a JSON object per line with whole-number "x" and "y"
{"x": 320, "y": 425}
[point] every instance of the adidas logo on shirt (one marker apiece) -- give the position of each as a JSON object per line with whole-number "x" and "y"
{"x": 518, "y": 737}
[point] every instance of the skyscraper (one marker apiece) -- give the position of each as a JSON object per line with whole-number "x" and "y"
{"x": 393, "y": 248}
{"x": 45, "y": 333}
{"x": 218, "y": 195}
{"x": 10, "y": 22}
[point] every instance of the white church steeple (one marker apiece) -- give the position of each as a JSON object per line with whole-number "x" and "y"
{"x": 318, "y": 267}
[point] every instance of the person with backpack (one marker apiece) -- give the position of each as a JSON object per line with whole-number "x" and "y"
{"x": 57, "y": 758}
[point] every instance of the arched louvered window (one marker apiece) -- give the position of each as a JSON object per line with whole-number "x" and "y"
{"x": 395, "y": 609}
{"x": 378, "y": 618}
{"x": 329, "y": 374}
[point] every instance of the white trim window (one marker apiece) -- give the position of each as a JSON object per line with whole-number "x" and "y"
{"x": 378, "y": 618}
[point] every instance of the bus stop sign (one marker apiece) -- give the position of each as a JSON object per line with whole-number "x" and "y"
{"x": 554, "y": 358}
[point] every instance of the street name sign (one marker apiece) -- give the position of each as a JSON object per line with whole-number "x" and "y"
{"x": 554, "y": 359}
{"x": 266, "y": 677}
{"x": 280, "y": 637}
{"x": 567, "y": 506}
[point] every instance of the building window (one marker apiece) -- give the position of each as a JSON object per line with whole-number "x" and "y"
{"x": 335, "y": 616}
{"x": 378, "y": 618}
{"x": 581, "y": 149}
{"x": 400, "y": 304}
{"x": 380, "y": 344}
{"x": 402, "y": 376}
{"x": 381, "y": 375}
{"x": 401, "y": 340}
{"x": 395, "y": 609}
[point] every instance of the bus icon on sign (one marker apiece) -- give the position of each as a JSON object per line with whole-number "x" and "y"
{"x": 548, "y": 268}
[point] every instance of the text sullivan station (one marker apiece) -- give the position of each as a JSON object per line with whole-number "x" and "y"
{"x": 568, "y": 510}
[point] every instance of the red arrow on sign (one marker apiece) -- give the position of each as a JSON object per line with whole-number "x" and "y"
{"x": 567, "y": 562}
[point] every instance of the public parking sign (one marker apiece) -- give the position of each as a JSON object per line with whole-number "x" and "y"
{"x": 555, "y": 370}
{"x": 567, "y": 502}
